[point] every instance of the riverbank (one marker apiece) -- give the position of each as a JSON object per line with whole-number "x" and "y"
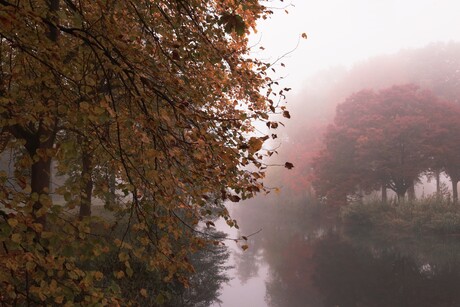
{"x": 424, "y": 216}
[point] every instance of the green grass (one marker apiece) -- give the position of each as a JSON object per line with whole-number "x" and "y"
{"x": 424, "y": 216}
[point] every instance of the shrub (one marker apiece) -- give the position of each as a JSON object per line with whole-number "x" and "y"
{"x": 427, "y": 215}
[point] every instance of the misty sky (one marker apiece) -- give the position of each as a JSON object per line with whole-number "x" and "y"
{"x": 342, "y": 32}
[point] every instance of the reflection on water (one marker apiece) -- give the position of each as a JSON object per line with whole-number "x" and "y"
{"x": 301, "y": 258}
{"x": 349, "y": 274}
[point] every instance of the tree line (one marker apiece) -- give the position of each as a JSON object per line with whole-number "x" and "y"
{"x": 388, "y": 139}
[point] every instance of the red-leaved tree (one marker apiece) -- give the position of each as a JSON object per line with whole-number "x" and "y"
{"x": 377, "y": 140}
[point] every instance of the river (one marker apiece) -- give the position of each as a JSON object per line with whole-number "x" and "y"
{"x": 302, "y": 257}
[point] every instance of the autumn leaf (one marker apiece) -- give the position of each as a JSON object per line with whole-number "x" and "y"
{"x": 286, "y": 114}
{"x": 98, "y": 275}
{"x": 234, "y": 198}
{"x": 210, "y": 223}
{"x": 255, "y": 144}
{"x": 233, "y": 23}
{"x": 147, "y": 110}
{"x": 12, "y": 222}
{"x": 288, "y": 165}
{"x": 59, "y": 299}
{"x": 119, "y": 274}
{"x": 16, "y": 238}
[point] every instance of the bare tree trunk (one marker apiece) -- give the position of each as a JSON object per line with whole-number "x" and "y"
{"x": 437, "y": 175}
{"x": 384, "y": 194}
{"x": 37, "y": 146}
{"x": 454, "y": 190}
{"x": 411, "y": 192}
{"x": 360, "y": 195}
{"x": 400, "y": 195}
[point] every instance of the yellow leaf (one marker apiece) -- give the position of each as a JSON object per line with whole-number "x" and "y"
{"x": 143, "y": 292}
{"x": 12, "y": 222}
{"x": 16, "y": 238}
{"x": 47, "y": 234}
{"x": 119, "y": 274}
{"x": 123, "y": 256}
{"x": 59, "y": 299}
{"x": 98, "y": 275}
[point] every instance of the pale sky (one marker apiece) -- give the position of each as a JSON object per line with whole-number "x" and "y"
{"x": 343, "y": 32}
{"x": 340, "y": 33}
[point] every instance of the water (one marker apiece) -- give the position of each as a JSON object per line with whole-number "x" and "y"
{"x": 304, "y": 259}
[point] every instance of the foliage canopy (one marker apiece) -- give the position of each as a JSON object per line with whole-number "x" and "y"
{"x": 148, "y": 105}
{"x": 387, "y": 140}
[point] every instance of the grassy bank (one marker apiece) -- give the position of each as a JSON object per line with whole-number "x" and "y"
{"x": 425, "y": 216}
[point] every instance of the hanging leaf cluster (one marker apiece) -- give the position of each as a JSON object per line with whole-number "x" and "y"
{"x": 146, "y": 108}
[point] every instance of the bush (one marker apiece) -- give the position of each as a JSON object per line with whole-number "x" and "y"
{"x": 428, "y": 215}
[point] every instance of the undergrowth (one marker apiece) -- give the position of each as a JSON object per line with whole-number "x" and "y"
{"x": 424, "y": 216}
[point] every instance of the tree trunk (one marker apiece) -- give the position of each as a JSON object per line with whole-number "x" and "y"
{"x": 401, "y": 195}
{"x": 87, "y": 184}
{"x": 384, "y": 194}
{"x": 454, "y": 190}
{"x": 360, "y": 195}
{"x": 40, "y": 182}
{"x": 38, "y": 146}
{"x": 437, "y": 175}
{"x": 53, "y": 32}
{"x": 411, "y": 192}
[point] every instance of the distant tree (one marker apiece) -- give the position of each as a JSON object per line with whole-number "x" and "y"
{"x": 335, "y": 173}
{"x": 433, "y": 67}
{"x": 383, "y": 139}
{"x": 443, "y": 142}
{"x": 394, "y": 146}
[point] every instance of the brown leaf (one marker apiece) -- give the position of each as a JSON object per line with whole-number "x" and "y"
{"x": 234, "y": 198}
{"x": 288, "y": 165}
{"x": 209, "y": 223}
{"x": 255, "y": 144}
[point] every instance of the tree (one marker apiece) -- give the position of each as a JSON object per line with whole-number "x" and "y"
{"x": 433, "y": 67}
{"x": 444, "y": 142}
{"x": 165, "y": 94}
{"x": 395, "y": 147}
{"x": 386, "y": 137}
{"x": 336, "y": 175}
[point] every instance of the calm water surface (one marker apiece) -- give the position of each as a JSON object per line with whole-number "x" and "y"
{"x": 302, "y": 258}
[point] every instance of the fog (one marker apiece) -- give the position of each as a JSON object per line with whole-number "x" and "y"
{"x": 306, "y": 255}
{"x": 344, "y": 33}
